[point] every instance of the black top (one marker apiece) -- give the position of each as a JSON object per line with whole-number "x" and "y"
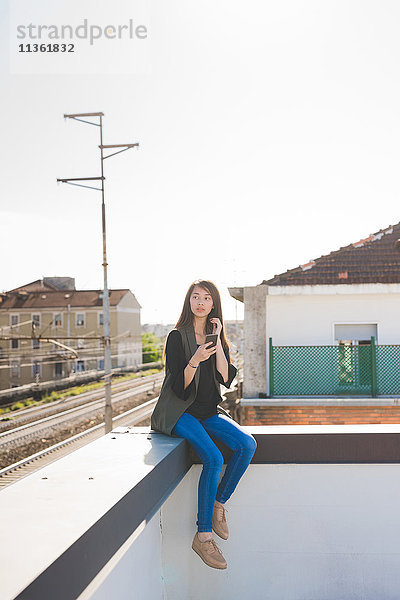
{"x": 207, "y": 397}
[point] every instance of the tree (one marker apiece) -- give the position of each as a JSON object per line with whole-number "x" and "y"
{"x": 151, "y": 348}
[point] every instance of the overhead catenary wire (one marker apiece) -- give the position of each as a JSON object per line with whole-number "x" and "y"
{"x": 20, "y": 352}
{"x": 53, "y": 362}
{"x": 65, "y": 359}
{"x": 13, "y": 354}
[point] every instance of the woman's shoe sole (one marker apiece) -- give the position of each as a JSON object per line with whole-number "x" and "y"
{"x": 206, "y": 563}
{"x": 220, "y": 536}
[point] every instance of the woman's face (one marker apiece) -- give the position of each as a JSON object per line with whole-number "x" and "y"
{"x": 201, "y": 302}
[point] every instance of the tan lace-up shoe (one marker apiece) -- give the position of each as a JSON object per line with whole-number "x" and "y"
{"x": 209, "y": 553}
{"x": 219, "y": 523}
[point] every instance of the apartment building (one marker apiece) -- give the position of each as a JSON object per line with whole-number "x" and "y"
{"x": 72, "y": 322}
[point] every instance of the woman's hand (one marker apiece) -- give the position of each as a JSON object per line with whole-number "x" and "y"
{"x": 203, "y": 352}
{"x": 217, "y": 325}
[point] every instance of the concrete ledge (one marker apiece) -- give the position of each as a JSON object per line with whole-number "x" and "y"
{"x": 325, "y": 401}
{"x": 327, "y": 444}
{"x": 62, "y": 524}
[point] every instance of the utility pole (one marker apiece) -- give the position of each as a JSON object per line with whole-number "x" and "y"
{"x": 69, "y": 333}
{"x": 106, "y": 300}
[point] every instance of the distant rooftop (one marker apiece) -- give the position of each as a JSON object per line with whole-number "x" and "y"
{"x": 374, "y": 259}
{"x": 47, "y": 283}
{"x": 57, "y": 292}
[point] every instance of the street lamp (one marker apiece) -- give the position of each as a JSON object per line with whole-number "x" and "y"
{"x": 106, "y": 300}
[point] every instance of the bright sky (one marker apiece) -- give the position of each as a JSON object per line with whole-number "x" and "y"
{"x": 269, "y": 135}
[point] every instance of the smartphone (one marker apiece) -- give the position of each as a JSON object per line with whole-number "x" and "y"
{"x": 211, "y": 337}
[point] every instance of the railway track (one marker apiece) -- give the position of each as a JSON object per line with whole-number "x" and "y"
{"x": 19, "y": 435}
{"x": 29, "y": 414}
{"x": 24, "y": 467}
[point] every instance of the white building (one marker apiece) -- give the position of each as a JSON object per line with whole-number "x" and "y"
{"x": 344, "y": 298}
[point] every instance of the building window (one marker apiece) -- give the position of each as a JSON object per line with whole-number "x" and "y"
{"x": 15, "y": 344}
{"x": 58, "y": 370}
{"x": 57, "y": 319}
{"x": 80, "y": 319}
{"x": 36, "y": 320}
{"x": 14, "y": 368}
{"x": 101, "y": 319}
{"x": 36, "y": 369}
{"x": 14, "y": 320}
{"x": 80, "y": 366}
{"x": 80, "y": 344}
{"x": 355, "y": 331}
{"x": 35, "y": 344}
{"x": 100, "y": 364}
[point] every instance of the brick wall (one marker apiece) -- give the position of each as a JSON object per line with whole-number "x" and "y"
{"x": 318, "y": 415}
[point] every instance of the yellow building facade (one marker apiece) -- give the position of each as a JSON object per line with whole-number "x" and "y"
{"x": 49, "y": 330}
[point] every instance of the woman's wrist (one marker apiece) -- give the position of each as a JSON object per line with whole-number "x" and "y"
{"x": 192, "y": 363}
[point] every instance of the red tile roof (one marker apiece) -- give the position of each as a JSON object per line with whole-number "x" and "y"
{"x": 374, "y": 259}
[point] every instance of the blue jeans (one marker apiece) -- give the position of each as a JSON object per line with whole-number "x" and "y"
{"x": 228, "y": 431}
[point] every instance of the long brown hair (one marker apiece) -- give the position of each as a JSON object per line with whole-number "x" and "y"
{"x": 186, "y": 317}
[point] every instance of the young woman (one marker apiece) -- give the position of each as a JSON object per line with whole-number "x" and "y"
{"x": 188, "y": 408}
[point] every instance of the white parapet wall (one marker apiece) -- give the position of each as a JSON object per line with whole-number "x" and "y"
{"x": 315, "y": 529}
{"x": 312, "y": 532}
{"x": 318, "y": 532}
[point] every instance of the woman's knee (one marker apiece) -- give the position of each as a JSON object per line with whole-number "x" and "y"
{"x": 249, "y": 444}
{"x": 214, "y": 459}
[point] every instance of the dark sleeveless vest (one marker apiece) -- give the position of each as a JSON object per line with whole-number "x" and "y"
{"x": 169, "y": 406}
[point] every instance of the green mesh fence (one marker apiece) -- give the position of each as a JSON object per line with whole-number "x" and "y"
{"x": 388, "y": 369}
{"x": 350, "y": 370}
